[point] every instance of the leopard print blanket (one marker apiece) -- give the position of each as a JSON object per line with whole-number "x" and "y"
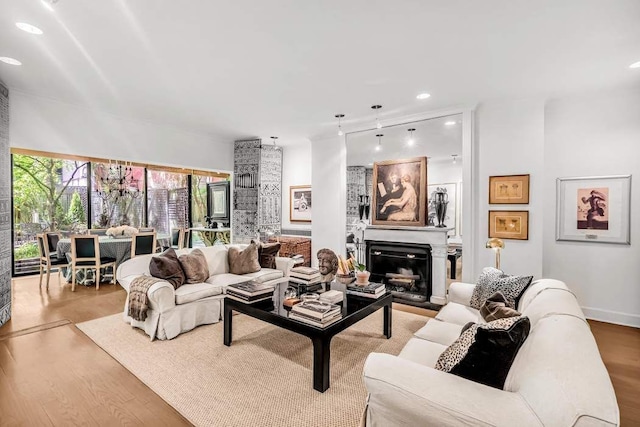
{"x": 138, "y": 298}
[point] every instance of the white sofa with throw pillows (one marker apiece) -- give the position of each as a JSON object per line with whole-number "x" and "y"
{"x": 503, "y": 352}
{"x": 174, "y": 292}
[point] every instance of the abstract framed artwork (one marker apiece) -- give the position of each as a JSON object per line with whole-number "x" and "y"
{"x": 594, "y": 209}
{"x": 509, "y": 224}
{"x": 300, "y": 203}
{"x": 509, "y": 190}
{"x": 400, "y": 192}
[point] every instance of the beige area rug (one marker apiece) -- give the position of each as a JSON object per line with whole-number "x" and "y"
{"x": 264, "y": 378}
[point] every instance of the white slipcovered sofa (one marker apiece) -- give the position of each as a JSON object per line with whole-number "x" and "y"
{"x": 557, "y": 378}
{"x": 172, "y": 312}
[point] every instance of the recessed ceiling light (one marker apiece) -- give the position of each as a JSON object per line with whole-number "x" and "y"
{"x": 28, "y": 28}
{"x": 449, "y": 123}
{"x": 635, "y": 65}
{"x": 10, "y": 61}
{"x": 423, "y": 95}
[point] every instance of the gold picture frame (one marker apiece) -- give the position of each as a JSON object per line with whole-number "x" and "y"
{"x": 300, "y": 203}
{"x": 509, "y": 190}
{"x": 509, "y": 225}
{"x": 400, "y": 192}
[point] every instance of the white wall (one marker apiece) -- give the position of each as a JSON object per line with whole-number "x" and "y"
{"x": 444, "y": 172}
{"x": 593, "y": 135}
{"x": 510, "y": 140}
{"x": 296, "y": 170}
{"x": 47, "y": 125}
{"x": 329, "y": 182}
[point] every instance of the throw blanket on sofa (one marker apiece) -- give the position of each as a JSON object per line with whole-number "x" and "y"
{"x": 138, "y": 299}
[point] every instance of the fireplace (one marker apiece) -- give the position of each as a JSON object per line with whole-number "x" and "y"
{"x": 405, "y": 269}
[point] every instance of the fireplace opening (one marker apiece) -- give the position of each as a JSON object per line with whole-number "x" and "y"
{"x": 405, "y": 269}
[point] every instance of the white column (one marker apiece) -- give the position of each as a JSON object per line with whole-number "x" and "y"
{"x": 438, "y": 274}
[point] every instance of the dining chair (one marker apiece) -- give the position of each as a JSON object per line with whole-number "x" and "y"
{"x": 146, "y": 230}
{"x": 49, "y": 261}
{"x": 97, "y": 231}
{"x": 143, "y": 244}
{"x": 177, "y": 238}
{"x": 85, "y": 254}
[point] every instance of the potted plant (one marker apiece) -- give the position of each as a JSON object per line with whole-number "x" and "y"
{"x": 362, "y": 275}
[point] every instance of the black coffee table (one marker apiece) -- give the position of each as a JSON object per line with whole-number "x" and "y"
{"x": 354, "y": 309}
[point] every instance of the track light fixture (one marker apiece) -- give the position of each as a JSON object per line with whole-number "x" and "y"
{"x": 274, "y": 138}
{"x": 377, "y": 108}
{"x": 339, "y": 117}
{"x": 411, "y": 141}
{"x": 455, "y": 156}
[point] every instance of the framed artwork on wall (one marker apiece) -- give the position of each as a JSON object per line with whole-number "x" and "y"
{"x": 594, "y": 209}
{"x": 509, "y": 190}
{"x": 451, "y": 215}
{"x": 300, "y": 203}
{"x": 400, "y": 192}
{"x": 509, "y": 224}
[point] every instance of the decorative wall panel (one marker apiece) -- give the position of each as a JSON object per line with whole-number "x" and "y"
{"x": 355, "y": 187}
{"x": 257, "y": 190}
{"x": 5, "y": 208}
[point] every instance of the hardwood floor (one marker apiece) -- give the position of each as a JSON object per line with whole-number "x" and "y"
{"x": 52, "y": 374}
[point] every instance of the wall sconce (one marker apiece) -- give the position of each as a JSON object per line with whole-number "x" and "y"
{"x": 497, "y": 245}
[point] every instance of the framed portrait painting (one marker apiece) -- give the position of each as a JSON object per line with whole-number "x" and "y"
{"x": 594, "y": 209}
{"x": 509, "y": 224}
{"x": 400, "y": 192}
{"x": 300, "y": 203}
{"x": 509, "y": 190}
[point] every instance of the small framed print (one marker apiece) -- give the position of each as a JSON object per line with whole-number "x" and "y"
{"x": 594, "y": 209}
{"x": 509, "y": 190}
{"x": 509, "y": 224}
{"x": 300, "y": 203}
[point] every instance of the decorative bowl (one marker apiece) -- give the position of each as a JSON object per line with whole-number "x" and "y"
{"x": 345, "y": 279}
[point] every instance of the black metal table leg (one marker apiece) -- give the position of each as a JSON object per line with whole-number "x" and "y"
{"x": 387, "y": 320}
{"x": 227, "y": 323}
{"x": 321, "y": 358}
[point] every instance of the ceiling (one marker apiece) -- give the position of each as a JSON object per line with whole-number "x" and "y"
{"x": 437, "y": 138}
{"x": 286, "y": 67}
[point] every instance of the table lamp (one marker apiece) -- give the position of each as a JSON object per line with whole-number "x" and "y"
{"x": 496, "y": 244}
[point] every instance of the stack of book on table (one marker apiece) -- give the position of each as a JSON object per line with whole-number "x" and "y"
{"x": 250, "y": 292}
{"x": 316, "y": 313}
{"x": 372, "y": 290}
{"x": 307, "y": 276}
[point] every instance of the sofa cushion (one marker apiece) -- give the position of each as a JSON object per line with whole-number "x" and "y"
{"x": 439, "y": 332}
{"x": 244, "y": 261}
{"x": 267, "y": 253}
{"x": 264, "y": 275}
{"x": 191, "y": 292}
{"x": 492, "y": 280}
{"x": 459, "y": 314}
{"x": 216, "y": 256}
{"x": 484, "y": 352}
{"x": 495, "y": 307}
{"x": 423, "y": 352}
{"x": 226, "y": 279}
{"x": 195, "y": 266}
{"x": 167, "y": 267}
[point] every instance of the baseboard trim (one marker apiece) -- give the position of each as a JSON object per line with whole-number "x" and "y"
{"x": 615, "y": 317}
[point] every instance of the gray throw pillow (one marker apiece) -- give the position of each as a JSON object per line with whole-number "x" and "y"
{"x": 167, "y": 267}
{"x": 195, "y": 266}
{"x": 244, "y": 261}
{"x": 267, "y": 253}
{"x": 495, "y": 307}
{"x": 492, "y": 280}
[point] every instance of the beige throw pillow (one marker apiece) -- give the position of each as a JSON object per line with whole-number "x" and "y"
{"x": 195, "y": 266}
{"x": 245, "y": 261}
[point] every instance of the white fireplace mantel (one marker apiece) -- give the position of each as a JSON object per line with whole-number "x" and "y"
{"x": 433, "y": 236}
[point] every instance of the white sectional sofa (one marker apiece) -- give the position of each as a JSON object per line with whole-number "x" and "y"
{"x": 557, "y": 378}
{"x": 173, "y": 312}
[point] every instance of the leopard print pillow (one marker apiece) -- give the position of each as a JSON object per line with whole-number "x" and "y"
{"x": 492, "y": 280}
{"x": 460, "y": 347}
